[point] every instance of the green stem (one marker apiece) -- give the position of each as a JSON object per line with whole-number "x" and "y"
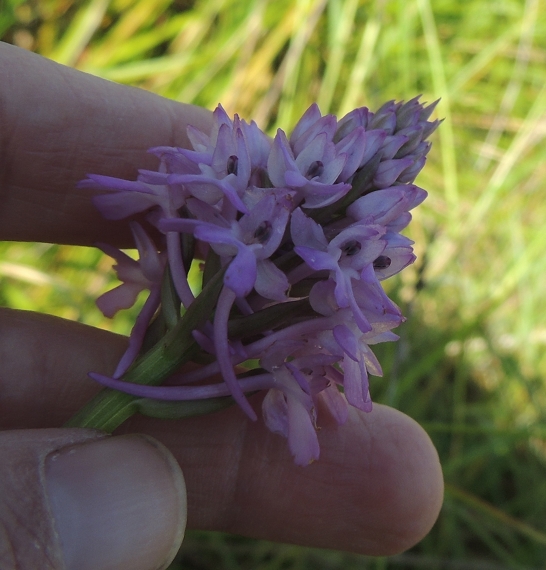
{"x": 111, "y": 408}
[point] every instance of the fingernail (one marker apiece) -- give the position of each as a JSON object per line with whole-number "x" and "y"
{"x": 117, "y": 502}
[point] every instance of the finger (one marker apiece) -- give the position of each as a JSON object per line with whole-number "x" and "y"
{"x": 57, "y": 126}
{"x": 74, "y": 499}
{"x": 376, "y": 489}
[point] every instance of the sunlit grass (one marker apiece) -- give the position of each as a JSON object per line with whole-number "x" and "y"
{"x": 471, "y": 362}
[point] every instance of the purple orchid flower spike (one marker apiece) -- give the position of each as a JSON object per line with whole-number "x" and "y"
{"x": 292, "y": 238}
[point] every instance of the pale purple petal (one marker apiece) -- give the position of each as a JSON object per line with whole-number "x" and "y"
{"x": 414, "y": 136}
{"x": 244, "y": 166}
{"x": 241, "y": 274}
{"x": 302, "y": 435}
{"x": 139, "y": 331}
{"x": 266, "y": 222}
{"x": 299, "y": 377}
{"x": 322, "y": 299}
{"x": 358, "y": 316}
{"x": 221, "y": 344}
{"x": 178, "y": 271}
{"x": 307, "y": 120}
{"x": 324, "y": 125}
{"x": 333, "y": 169}
{"x": 374, "y": 140}
{"x": 150, "y": 262}
{"x": 321, "y": 195}
{"x": 354, "y": 147}
{"x": 274, "y": 356}
{"x": 306, "y": 232}
{"x": 389, "y": 170}
{"x": 173, "y": 393}
{"x": 280, "y": 160}
{"x": 399, "y": 223}
{"x": 202, "y": 187}
{"x": 356, "y": 384}
{"x": 313, "y": 151}
{"x": 409, "y": 174}
{"x": 100, "y": 181}
{"x": 353, "y": 120}
{"x": 294, "y": 179}
{"x": 372, "y": 364}
{"x": 391, "y": 145}
{"x": 316, "y": 259}
{"x": 347, "y": 341}
{"x": 384, "y": 206}
{"x": 258, "y": 144}
{"x": 275, "y": 412}
{"x": 271, "y": 282}
{"x": 124, "y": 296}
{"x": 152, "y": 177}
{"x": 123, "y": 204}
{"x": 335, "y": 402}
{"x": 198, "y": 139}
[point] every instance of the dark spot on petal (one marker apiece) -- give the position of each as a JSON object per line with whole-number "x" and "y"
{"x": 351, "y": 247}
{"x": 315, "y": 169}
{"x": 232, "y": 163}
{"x": 260, "y": 178}
{"x": 263, "y": 232}
{"x": 382, "y": 262}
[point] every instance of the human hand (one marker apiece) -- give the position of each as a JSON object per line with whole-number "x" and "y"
{"x": 376, "y": 489}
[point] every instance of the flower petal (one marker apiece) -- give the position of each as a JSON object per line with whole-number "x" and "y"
{"x": 302, "y": 435}
{"x": 271, "y": 282}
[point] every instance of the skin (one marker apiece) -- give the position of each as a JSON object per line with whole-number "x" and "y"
{"x": 377, "y": 488}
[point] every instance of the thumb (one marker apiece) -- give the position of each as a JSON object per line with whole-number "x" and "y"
{"x": 75, "y": 499}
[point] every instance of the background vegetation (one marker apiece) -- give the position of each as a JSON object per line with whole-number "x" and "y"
{"x": 471, "y": 363}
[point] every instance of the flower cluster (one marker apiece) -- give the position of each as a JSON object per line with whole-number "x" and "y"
{"x": 293, "y": 236}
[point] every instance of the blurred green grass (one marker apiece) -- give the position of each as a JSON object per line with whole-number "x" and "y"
{"x": 471, "y": 362}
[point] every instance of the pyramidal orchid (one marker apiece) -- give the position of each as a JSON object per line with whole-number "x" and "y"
{"x": 292, "y": 237}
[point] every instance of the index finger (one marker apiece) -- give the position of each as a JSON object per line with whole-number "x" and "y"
{"x": 56, "y": 126}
